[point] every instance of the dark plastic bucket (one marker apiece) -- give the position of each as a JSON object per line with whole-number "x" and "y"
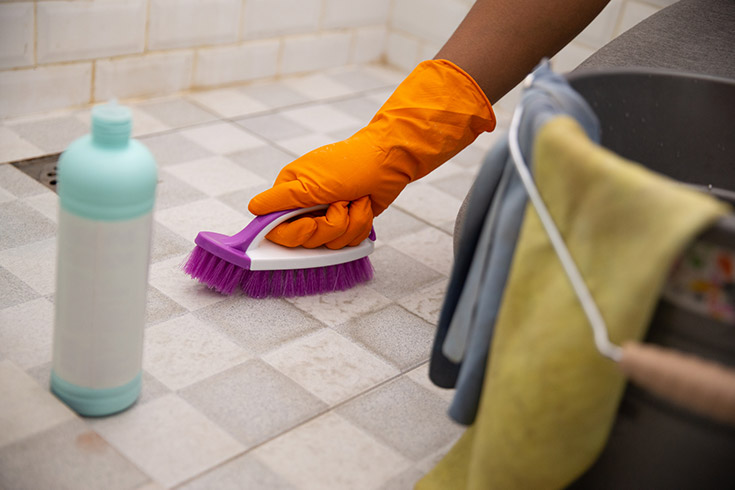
{"x": 683, "y": 126}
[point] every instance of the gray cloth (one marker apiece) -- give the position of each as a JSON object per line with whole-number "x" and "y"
{"x": 471, "y": 326}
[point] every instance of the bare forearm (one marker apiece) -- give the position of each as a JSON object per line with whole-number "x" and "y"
{"x": 500, "y": 41}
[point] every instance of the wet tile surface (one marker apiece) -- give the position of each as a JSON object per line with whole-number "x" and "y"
{"x": 318, "y": 392}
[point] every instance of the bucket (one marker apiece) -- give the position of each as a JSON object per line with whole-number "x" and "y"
{"x": 682, "y": 126}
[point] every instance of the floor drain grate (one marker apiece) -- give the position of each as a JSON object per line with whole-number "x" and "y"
{"x": 42, "y": 169}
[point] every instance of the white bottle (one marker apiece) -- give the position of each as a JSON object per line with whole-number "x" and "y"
{"x": 106, "y": 185}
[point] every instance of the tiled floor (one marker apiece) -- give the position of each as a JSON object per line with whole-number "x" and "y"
{"x": 322, "y": 392}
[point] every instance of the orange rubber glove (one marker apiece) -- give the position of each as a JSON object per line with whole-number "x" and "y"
{"x": 433, "y": 114}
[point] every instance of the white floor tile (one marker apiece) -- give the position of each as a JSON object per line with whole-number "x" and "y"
{"x": 215, "y": 175}
{"x": 336, "y": 308}
{"x": 317, "y": 87}
{"x": 428, "y": 203}
{"x": 167, "y": 277}
{"x": 301, "y": 145}
{"x": 184, "y": 350}
{"x": 31, "y": 408}
{"x": 26, "y": 332}
{"x": 228, "y": 103}
{"x": 15, "y": 148}
{"x": 321, "y": 118}
{"x": 330, "y": 366}
{"x": 168, "y": 439}
{"x": 318, "y": 456}
{"x": 429, "y": 246}
{"x": 189, "y": 219}
{"x": 427, "y": 302}
{"x": 222, "y": 138}
{"x": 34, "y": 264}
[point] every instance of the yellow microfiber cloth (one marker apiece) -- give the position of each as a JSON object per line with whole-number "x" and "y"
{"x": 549, "y": 398}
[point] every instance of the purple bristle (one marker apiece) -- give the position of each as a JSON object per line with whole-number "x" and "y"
{"x": 222, "y": 276}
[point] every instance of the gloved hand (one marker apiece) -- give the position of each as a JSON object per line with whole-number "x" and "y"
{"x": 433, "y": 114}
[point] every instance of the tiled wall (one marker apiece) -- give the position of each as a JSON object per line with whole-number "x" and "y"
{"x": 64, "y": 53}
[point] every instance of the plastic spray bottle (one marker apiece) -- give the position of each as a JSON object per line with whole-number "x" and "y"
{"x": 106, "y": 186}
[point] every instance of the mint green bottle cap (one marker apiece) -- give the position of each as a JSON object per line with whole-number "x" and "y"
{"x": 111, "y": 124}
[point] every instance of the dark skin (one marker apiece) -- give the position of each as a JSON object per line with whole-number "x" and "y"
{"x": 499, "y": 41}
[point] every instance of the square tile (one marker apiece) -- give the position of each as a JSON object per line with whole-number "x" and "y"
{"x": 172, "y": 191}
{"x": 301, "y": 145}
{"x": 176, "y": 112}
{"x": 428, "y": 203}
{"x": 16, "y": 148}
{"x": 19, "y": 184}
{"x": 257, "y": 325}
{"x": 184, "y": 350}
{"x": 274, "y": 95}
{"x": 318, "y": 87}
{"x": 359, "y": 79}
{"x": 167, "y": 244}
{"x": 167, "y": 277}
{"x": 430, "y": 246}
{"x": 34, "y": 263}
{"x": 228, "y": 103}
{"x": 420, "y": 375}
{"x": 160, "y": 308}
{"x": 394, "y": 334}
{"x": 53, "y": 134}
{"x": 67, "y": 456}
{"x": 241, "y": 199}
{"x": 361, "y": 108}
{"x": 253, "y": 402}
{"x": 321, "y": 118}
{"x": 273, "y": 127}
{"x": 342, "y": 306}
{"x": 214, "y": 175}
{"x": 26, "y": 332}
{"x": 222, "y": 138}
{"x": 32, "y": 409}
{"x": 330, "y": 366}
{"x": 393, "y": 223}
{"x": 264, "y": 161}
{"x": 427, "y": 302}
{"x": 315, "y": 456}
{"x": 388, "y": 414}
{"x": 398, "y": 274}
{"x": 14, "y": 291}
{"x": 172, "y": 148}
{"x": 25, "y": 225}
{"x": 189, "y": 219}
{"x": 168, "y": 439}
{"x": 46, "y": 203}
{"x": 241, "y": 473}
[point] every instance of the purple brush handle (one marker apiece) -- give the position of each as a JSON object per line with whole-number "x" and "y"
{"x": 234, "y": 248}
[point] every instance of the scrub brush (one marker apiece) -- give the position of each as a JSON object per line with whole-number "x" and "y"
{"x": 265, "y": 269}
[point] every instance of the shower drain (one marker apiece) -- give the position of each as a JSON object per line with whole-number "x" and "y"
{"x": 42, "y": 169}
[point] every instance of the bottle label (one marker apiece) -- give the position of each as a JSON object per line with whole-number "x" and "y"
{"x": 102, "y": 279}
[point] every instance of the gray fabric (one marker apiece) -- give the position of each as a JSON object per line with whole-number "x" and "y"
{"x": 455, "y": 343}
{"x": 694, "y": 36}
{"x": 470, "y": 332}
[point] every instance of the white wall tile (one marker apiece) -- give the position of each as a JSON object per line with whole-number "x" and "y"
{"x": 16, "y": 34}
{"x": 185, "y": 23}
{"x": 221, "y": 66}
{"x": 633, "y": 13}
{"x": 369, "y": 44}
{"x": 403, "y": 51}
{"x": 44, "y": 89}
{"x": 144, "y": 76}
{"x": 85, "y": 30}
{"x": 266, "y": 18}
{"x": 433, "y": 20}
{"x": 601, "y": 30}
{"x": 352, "y": 13}
{"x": 315, "y": 52}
